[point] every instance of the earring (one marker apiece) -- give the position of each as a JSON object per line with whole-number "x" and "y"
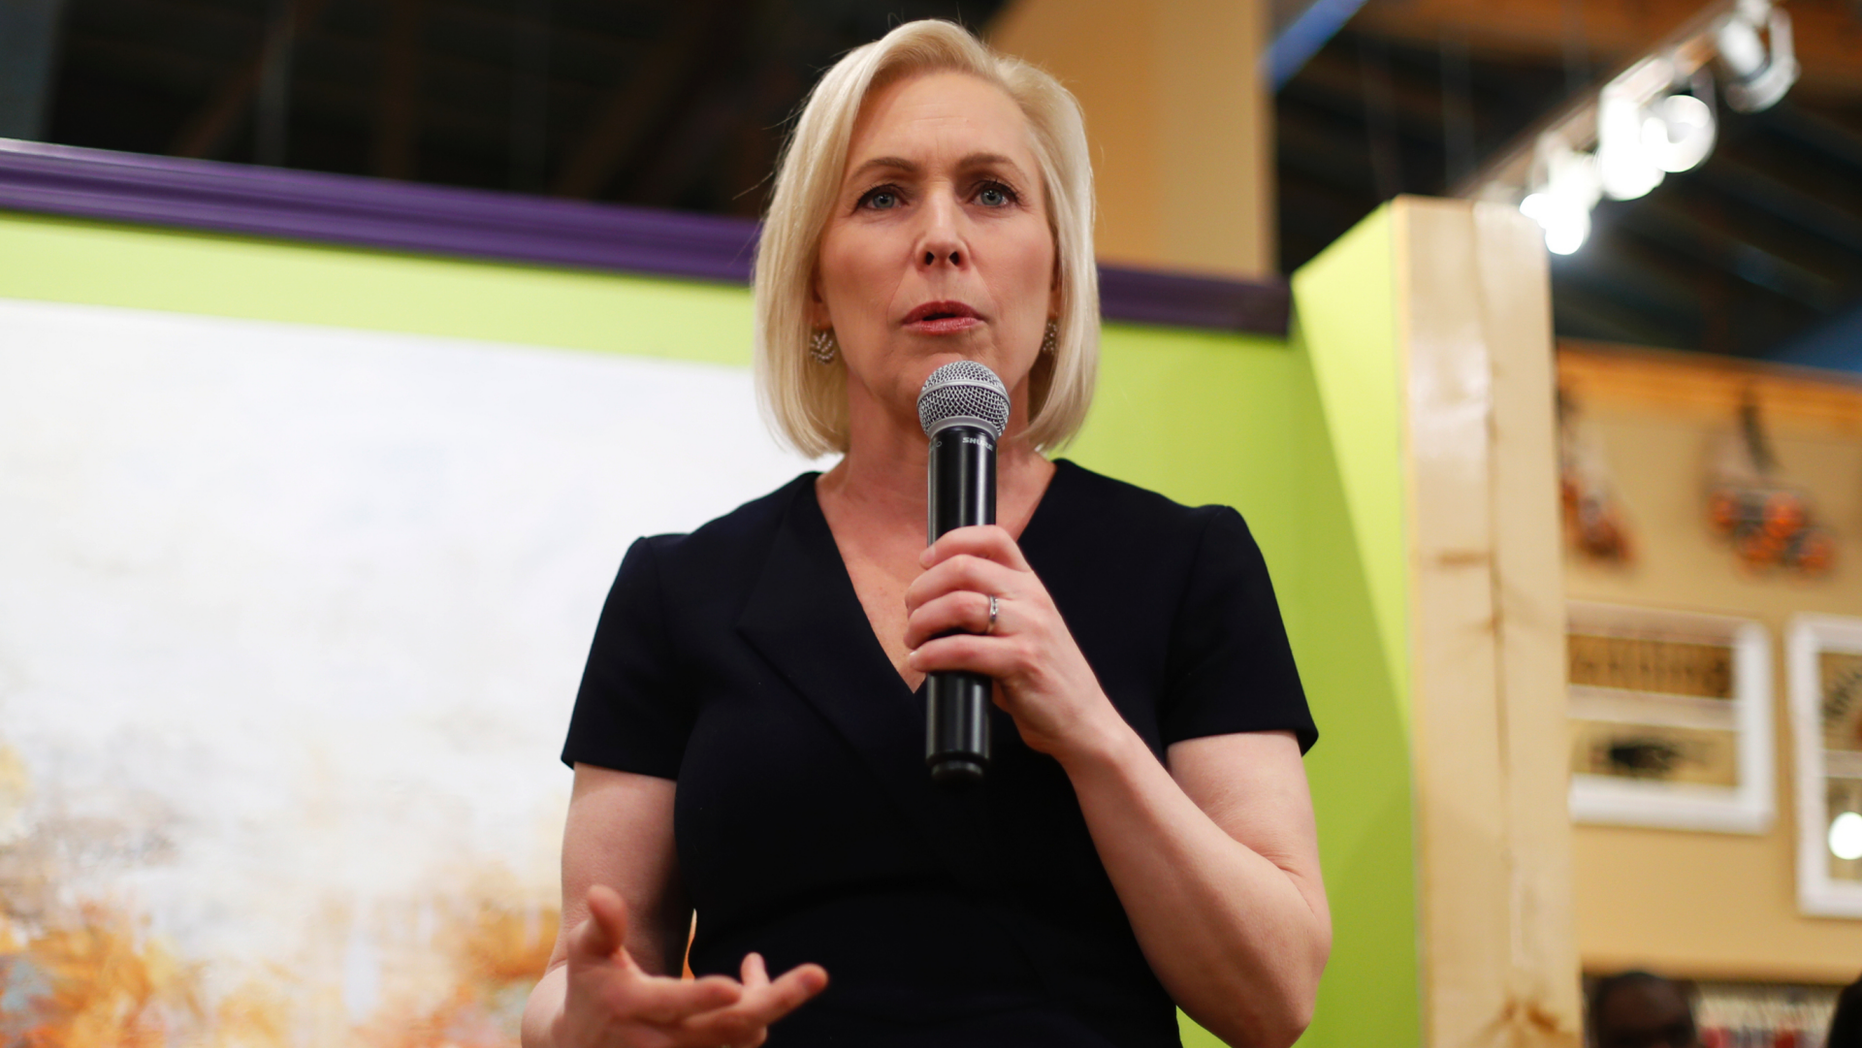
{"x": 1050, "y": 339}
{"x": 823, "y": 346}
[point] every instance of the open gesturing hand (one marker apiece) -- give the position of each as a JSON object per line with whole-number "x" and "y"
{"x": 612, "y": 1003}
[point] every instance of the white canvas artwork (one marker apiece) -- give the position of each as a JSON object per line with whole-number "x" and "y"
{"x": 291, "y": 621}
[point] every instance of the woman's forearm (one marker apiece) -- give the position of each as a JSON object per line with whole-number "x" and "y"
{"x": 1238, "y": 941}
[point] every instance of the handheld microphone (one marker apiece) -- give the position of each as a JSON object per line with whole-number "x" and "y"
{"x": 964, "y": 408}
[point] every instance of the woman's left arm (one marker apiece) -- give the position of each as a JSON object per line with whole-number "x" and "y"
{"x": 1216, "y": 861}
{"x": 1214, "y": 858}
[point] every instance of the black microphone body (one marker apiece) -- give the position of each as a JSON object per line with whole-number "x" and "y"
{"x": 961, "y": 482}
{"x": 965, "y": 409}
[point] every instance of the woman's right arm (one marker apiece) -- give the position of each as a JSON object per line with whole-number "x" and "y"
{"x": 613, "y": 978}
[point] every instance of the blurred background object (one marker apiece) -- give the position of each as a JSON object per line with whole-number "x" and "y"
{"x": 1758, "y": 246}
{"x": 1638, "y": 1009}
{"x": 1732, "y": 1015}
{"x": 669, "y": 105}
{"x": 1755, "y": 253}
{"x": 1846, "y": 1022}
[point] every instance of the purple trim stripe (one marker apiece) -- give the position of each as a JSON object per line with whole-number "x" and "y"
{"x": 473, "y": 223}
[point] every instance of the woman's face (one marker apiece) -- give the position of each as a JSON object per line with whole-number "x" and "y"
{"x": 938, "y": 247}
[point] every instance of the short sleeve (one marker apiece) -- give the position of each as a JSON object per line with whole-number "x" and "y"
{"x": 633, "y": 711}
{"x": 1230, "y": 666}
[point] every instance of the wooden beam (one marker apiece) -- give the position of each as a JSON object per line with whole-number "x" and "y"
{"x": 1499, "y": 950}
{"x": 626, "y": 114}
{"x": 1827, "y": 33}
{"x": 398, "y": 110}
{"x": 204, "y": 133}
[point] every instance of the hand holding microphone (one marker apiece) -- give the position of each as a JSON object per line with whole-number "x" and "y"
{"x": 979, "y": 616}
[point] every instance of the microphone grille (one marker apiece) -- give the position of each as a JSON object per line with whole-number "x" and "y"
{"x": 964, "y": 391}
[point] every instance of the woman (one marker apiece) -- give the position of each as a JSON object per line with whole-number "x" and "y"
{"x": 747, "y": 741}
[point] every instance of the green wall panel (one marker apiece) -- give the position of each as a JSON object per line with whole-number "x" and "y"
{"x": 1353, "y": 652}
{"x": 63, "y": 260}
{"x": 1346, "y": 301}
{"x": 1220, "y": 418}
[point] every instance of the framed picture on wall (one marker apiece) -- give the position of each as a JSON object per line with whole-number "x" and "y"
{"x": 1825, "y": 664}
{"x": 1670, "y": 715}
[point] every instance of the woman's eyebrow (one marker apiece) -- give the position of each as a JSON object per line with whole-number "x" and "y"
{"x": 884, "y": 163}
{"x": 975, "y": 160}
{"x": 899, "y": 163}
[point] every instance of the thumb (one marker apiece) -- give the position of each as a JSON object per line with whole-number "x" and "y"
{"x": 604, "y": 933}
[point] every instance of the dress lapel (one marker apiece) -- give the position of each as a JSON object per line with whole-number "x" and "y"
{"x": 805, "y": 619}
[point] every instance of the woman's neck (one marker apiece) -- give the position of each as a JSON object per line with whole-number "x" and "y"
{"x": 881, "y": 480}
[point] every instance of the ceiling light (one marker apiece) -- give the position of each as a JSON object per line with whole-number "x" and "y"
{"x": 1625, "y": 167}
{"x": 1566, "y": 222}
{"x": 1561, "y": 205}
{"x": 1678, "y": 132}
{"x": 1759, "y": 79}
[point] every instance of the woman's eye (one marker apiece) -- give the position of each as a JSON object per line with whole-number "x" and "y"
{"x": 880, "y": 199}
{"x": 993, "y": 195}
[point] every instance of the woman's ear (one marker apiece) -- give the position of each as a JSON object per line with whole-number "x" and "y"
{"x": 819, "y": 317}
{"x": 1054, "y": 289}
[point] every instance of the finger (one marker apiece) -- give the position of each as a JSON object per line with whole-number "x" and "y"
{"x": 786, "y": 994}
{"x": 989, "y": 541}
{"x": 670, "y": 1002}
{"x": 605, "y": 931}
{"x": 1003, "y": 658}
{"x": 967, "y": 572}
{"x": 964, "y": 610}
{"x": 755, "y": 974}
{"x": 746, "y": 1023}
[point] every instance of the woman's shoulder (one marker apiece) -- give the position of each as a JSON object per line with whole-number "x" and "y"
{"x": 1124, "y": 506}
{"x": 726, "y": 541}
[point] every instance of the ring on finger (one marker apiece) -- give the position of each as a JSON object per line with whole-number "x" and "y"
{"x": 995, "y": 608}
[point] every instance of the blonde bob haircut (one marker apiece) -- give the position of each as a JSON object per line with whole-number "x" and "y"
{"x": 806, "y": 402}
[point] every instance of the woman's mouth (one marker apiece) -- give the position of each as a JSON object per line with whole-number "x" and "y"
{"x": 942, "y": 318}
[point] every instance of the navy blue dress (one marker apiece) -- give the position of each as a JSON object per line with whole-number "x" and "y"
{"x": 738, "y": 661}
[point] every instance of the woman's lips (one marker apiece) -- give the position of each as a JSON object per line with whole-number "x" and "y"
{"x": 945, "y": 325}
{"x": 942, "y": 318}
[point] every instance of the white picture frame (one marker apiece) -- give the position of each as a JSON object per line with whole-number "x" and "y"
{"x": 1818, "y": 893}
{"x": 1747, "y": 807}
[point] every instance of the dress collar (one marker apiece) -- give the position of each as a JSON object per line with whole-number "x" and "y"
{"x": 804, "y": 618}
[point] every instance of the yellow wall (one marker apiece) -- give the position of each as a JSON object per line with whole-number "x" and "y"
{"x": 1709, "y": 904}
{"x": 1179, "y": 118}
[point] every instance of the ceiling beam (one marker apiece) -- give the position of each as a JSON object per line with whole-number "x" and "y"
{"x": 1332, "y": 82}
{"x": 204, "y": 133}
{"x": 1827, "y": 33}
{"x": 1574, "y": 298}
{"x": 625, "y": 115}
{"x": 1823, "y": 135}
{"x": 1698, "y": 232}
{"x": 398, "y": 108}
{"x": 1781, "y": 200}
{"x": 28, "y": 40}
{"x": 1303, "y": 35}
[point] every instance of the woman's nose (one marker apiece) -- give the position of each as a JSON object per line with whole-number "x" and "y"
{"x": 941, "y": 243}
